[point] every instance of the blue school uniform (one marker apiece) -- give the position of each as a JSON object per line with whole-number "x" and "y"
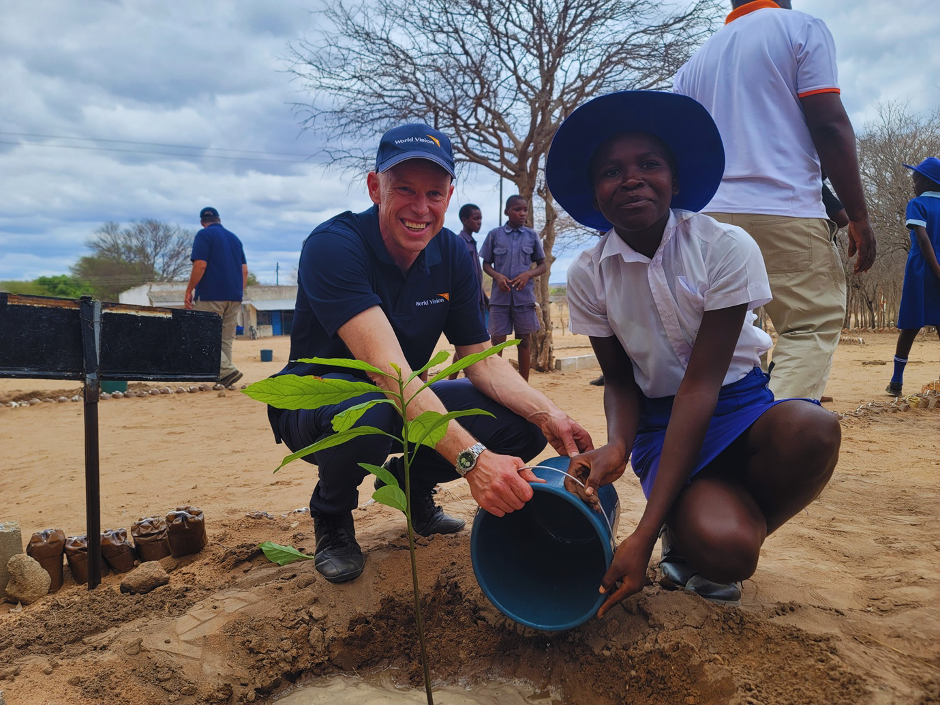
{"x": 920, "y": 291}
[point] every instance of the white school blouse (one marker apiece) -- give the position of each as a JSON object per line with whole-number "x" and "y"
{"x": 655, "y": 305}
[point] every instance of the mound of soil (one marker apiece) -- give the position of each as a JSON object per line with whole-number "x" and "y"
{"x": 232, "y": 627}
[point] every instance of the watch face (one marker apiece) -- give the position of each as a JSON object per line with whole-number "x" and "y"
{"x": 466, "y": 460}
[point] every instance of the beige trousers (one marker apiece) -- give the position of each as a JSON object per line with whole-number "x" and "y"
{"x": 809, "y": 304}
{"x": 229, "y": 312}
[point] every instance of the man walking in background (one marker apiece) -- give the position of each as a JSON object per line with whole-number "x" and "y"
{"x": 217, "y": 283}
{"x": 769, "y": 80}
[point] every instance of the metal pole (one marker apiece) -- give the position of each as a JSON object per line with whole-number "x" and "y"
{"x": 90, "y": 311}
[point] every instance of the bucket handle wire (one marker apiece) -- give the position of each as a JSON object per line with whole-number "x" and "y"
{"x": 566, "y": 473}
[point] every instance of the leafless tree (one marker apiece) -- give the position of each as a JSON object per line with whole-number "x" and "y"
{"x": 497, "y": 76}
{"x": 896, "y": 137}
{"x": 124, "y": 257}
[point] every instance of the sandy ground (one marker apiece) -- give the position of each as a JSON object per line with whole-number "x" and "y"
{"x": 844, "y": 606}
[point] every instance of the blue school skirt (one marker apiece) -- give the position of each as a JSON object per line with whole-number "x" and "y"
{"x": 738, "y": 407}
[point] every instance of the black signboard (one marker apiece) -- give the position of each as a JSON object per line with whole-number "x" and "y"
{"x": 88, "y": 340}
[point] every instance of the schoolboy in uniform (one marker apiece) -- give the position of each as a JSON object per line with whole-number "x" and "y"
{"x": 920, "y": 291}
{"x": 508, "y": 253}
{"x": 666, "y": 298}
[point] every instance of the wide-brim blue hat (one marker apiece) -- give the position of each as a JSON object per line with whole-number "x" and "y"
{"x": 930, "y": 168}
{"x": 679, "y": 121}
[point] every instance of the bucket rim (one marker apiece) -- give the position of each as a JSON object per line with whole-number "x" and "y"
{"x": 596, "y": 522}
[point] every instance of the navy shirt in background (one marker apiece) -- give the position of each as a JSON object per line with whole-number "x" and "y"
{"x": 346, "y": 269}
{"x": 222, "y": 251}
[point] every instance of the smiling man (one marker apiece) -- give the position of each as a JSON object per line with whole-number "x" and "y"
{"x": 381, "y": 286}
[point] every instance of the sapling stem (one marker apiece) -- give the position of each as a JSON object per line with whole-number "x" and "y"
{"x": 411, "y": 539}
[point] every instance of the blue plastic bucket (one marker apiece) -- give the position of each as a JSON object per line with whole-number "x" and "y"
{"x": 267, "y": 355}
{"x": 541, "y": 566}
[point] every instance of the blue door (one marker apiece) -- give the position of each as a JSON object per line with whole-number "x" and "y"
{"x": 276, "y": 323}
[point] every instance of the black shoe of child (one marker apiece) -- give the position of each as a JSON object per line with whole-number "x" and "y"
{"x": 722, "y": 593}
{"x": 598, "y": 381}
{"x": 675, "y": 570}
{"x": 337, "y": 557}
{"x": 427, "y": 518}
{"x": 894, "y": 389}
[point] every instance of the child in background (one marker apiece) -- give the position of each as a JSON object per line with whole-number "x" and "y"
{"x": 508, "y": 253}
{"x": 666, "y": 298}
{"x": 920, "y": 291}
{"x": 471, "y": 220}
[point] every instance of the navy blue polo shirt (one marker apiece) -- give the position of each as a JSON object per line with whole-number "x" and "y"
{"x": 346, "y": 269}
{"x": 222, "y": 251}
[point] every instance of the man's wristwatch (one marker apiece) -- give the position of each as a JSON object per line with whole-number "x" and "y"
{"x": 467, "y": 459}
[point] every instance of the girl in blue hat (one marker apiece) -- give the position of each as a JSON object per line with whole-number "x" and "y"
{"x": 666, "y": 297}
{"x": 920, "y": 291}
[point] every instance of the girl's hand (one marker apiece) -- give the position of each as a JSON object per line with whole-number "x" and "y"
{"x": 595, "y": 468}
{"x": 630, "y": 567}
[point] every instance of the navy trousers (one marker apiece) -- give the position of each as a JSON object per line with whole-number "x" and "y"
{"x": 340, "y": 476}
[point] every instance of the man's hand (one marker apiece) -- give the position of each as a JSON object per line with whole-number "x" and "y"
{"x": 862, "y": 243}
{"x": 521, "y": 279}
{"x": 595, "y": 468}
{"x": 564, "y": 434}
{"x": 498, "y": 485}
{"x": 188, "y": 299}
{"x": 630, "y": 567}
{"x": 502, "y": 282}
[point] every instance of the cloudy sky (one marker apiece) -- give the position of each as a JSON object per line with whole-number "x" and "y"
{"x": 122, "y": 110}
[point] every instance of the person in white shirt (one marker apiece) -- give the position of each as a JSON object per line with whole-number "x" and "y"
{"x": 666, "y": 298}
{"x": 769, "y": 80}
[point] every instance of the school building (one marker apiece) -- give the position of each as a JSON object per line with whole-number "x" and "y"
{"x": 268, "y": 310}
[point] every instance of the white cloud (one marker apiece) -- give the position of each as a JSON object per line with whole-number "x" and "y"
{"x": 211, "y": 74}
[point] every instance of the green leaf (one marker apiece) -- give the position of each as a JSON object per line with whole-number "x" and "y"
{"x": 335, "y": 440}
{"x": 440, "y": 357}
{"x": 348, "y": 417}
{"x": 306, "y": 392}
{"x": 345, "y": 363}
{"x": 392, "y": 496}
{"x": 282, "y": 555}
{"x": 429, "y": 428}
{"x": 383, "y": 474}
{"x": 397, "y": 369}
{"x": 469, "y": 360}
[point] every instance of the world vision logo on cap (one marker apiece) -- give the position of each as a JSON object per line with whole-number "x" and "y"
{"x": 435, "y": 140}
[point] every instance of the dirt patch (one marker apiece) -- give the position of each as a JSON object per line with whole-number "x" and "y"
{"x": 270, "y": 626}
{"x": 844, "y": 606}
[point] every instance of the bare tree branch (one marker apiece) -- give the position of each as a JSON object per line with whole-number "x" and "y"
{"x": 497, "y": 76}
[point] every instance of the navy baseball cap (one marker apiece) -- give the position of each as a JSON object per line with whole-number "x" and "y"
{"x": 414, "y": 141}
{"x": 208, "y": 212}
{"x": 681, "y": 122}
{"x": 928, "y": 168}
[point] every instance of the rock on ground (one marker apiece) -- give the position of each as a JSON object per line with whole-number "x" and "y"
{"x": 145, "y": 578}
{"x": 28, "y": 580}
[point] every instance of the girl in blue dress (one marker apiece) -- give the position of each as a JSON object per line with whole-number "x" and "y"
{"x": 666, "y": 297}
{"x": 920, "y": 291}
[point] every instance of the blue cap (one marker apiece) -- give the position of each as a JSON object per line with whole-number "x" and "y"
{"x": 414, "y": 141}
{"x": 679, "y": 121}
{"x": 208, "y": 212}
{"x": 928, "y": 168}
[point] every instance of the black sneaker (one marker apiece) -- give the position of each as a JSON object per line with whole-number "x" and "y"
{"x": 337, "y": 557}
{"x": 598, "y": 381}
{"x": 427, "y": 518}
{"x": 231, "y": 378}
{"x": 894, "y": 389}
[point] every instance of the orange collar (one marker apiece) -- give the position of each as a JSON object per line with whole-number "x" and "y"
{"x": 743, "y": 10}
